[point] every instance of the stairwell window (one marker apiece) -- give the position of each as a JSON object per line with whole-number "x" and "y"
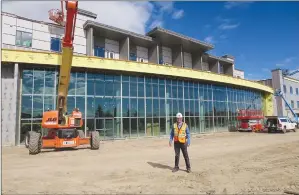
{"x": 24, "y": 39}
{"x": 297, "y": 92}
{"x": 291, "y": 90}
{"x": 292, "y": 104}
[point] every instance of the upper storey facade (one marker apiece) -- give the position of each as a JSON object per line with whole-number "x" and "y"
{"x": 159, "y": 46}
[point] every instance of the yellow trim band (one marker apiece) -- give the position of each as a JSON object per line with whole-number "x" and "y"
{"x": 46, "y": 58}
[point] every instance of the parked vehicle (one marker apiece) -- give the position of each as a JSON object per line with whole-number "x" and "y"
{"x": 283, "y": 124}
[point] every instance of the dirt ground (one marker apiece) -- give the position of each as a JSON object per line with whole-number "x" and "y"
{"x": 223, "y": 163}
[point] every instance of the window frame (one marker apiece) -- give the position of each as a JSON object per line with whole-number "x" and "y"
{"x": 21, "y": 41}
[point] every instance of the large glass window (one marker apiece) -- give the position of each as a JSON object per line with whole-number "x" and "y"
{"x": 134, "y": 106}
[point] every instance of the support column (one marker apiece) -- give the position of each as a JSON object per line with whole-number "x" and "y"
{"x": 177, "y": 56}
{"x": 153, "y": 54}
{"x": 89, "y": 42}
{"x": 124, "y": 49}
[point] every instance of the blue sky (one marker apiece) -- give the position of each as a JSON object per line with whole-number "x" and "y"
{"x": 261, "y": 35}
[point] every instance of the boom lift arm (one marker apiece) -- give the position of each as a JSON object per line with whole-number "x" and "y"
{"x": 64, "y": 130}
{"x": 279, "y": 94}
{"x": 67, "y": 56}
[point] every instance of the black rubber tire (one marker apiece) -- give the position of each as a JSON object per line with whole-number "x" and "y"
{"x": 35, "y": 143}
{"x": 27, "y": 137}
{"x": 81, "y": 134}
{"x": 284, "y": 130}
{"x": 95, "y": 140}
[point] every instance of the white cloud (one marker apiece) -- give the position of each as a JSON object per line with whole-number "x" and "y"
{"x": 286, "y": 62}
{"x": 178, "y": 14}
{"x": 132, "y": 16}
{"x": 266, "y": 70}
{"x": 228, "y": 26}
{"x": 209, "y": 39}
{"x": 232, "y": 4}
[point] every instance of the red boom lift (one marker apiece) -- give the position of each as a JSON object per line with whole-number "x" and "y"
{"x": 250, "y": 120}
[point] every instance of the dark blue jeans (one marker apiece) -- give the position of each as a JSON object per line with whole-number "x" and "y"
{"x": 177, "y": 148}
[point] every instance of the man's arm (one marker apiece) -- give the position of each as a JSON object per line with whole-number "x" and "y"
{"x": 171, "y": 135}
{"x": 188, "y": 135}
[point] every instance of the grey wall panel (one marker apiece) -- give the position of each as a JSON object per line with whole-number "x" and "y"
{"x": 8, "y": 101}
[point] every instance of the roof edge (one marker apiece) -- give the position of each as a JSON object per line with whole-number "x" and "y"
{"x": 210, "y": 46}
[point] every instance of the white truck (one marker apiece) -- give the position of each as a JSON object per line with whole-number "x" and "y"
{"x": 284, "y": 124}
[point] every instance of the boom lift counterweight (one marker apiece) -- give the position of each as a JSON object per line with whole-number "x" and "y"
{"x": 63, "y": 129}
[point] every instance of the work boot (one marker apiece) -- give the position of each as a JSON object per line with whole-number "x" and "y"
{"x": 188, "y": 170}
{"x": 175, "y": 169}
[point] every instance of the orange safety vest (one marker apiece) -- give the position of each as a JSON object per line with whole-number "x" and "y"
{"x": 180, "y": 134}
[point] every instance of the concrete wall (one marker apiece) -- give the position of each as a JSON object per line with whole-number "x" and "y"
{"x": 153, "y": 54}
{"x": 9, "y": 101}
{"x": 89, "y": 42}
{"x": 177, "y": 56}
{"x": 277, "y": 84}
{"x": 124, "y": 49}
{"x": 166, "y": 54}
{"x": 187, "y": 60}
{"x": 196, "y": 61}
{"x": 214, "y": 66}
{"x": 205, "y": 63}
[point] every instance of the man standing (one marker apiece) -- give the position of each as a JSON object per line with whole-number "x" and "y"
{"x": 181, "y": 135}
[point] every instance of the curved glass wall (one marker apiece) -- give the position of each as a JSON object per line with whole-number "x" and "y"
{"x": 122, "y": 106}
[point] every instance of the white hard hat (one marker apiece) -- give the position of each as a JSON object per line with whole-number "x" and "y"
{"x": 179, "y": 115}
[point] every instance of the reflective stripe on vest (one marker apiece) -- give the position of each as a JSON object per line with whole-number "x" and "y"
{"x": 180, "y": 134}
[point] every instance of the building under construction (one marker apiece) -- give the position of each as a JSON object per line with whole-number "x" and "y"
{"x": 125, "y": 84}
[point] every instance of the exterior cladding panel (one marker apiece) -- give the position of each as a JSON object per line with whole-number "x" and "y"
{"x": 111, "y": 46}
{"x": 9, "y": 101}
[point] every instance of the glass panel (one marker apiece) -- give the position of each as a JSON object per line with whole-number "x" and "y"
{"x": 162, "y": 107}
{"x": 70, "y": 104}
{"x": 109, "y": 88}
{"x": 149, "y": 107}
{"x": 90, "y": 107}
{"x": 109, "y": 128}
{"x": 109, "y": 107}
{"x": 192, "y": 109}
{"x": 140, "y": 89}
{"x": 38, "y": 81}
{"x": 133, "y": 79}
{"x": 141, "y": 124}
{"x": 141, "y": 108}
{"x": 90, "y": 125}
{"x": 133, "y": 89}
{"x": 174, "y": 91}
{"x": 37, "y": 106}
{"x": 148, "y": 126}
{"x": 99, "y": 107}
{"x": 175, "y": 107}
{"x": 133, "y": 105}
{"x": 134, "y": 132}
{"x": 186, "y": 90}
{"x": 90, "y": 86}
{"x": 168, "y": 91}
{"x": 155, "y": 108}
{"x": 48, "y": 103}
{"x": 180, "y": 92}
{"x": 117, "y": 89}
{"x": 27, "y": 83}
{"x": 125, "y": 88}
{"x": 72, "y": 84}
{"x": 155, "y": 90}
{"x": 80, "y": 84}
{"x": 140, "y": 79}
{"x": 36, "y": 125}
{"x": 26, "y": 107}
{"x": 125, "y": 78}
{"x": 148, "y": 90}
{"x": 117, "y": 108}
{"x": 49, "y": 82}
{"x": 126, "y": 107}
{"x": 162, "y": 91}
{"x": 162, "y": 126}
{"x": 126, "y": 127}
{"x": 80, "y": 103}
{"x": 156, "y": 127}
{"x": 187, "y": 108}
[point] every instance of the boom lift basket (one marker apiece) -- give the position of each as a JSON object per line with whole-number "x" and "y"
{"x": 56, "y": 15}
